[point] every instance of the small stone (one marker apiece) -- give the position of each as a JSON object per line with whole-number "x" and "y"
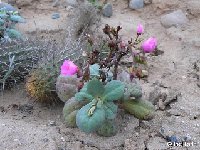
{"x": 107, "y": 10}
{"x": 146, "y": 2}
{"x": 72, "y": 2}
{"x": 172, "y": 139}
{"x": 55, "y": 16}
{"x": 7, "y": 6}
{"x": 136, "y": 4}
{"x": 45, "y": 140}
{"x": 187, "y": 138}
{"x": 51, "y": 123}
{"x": 176, "y": 18}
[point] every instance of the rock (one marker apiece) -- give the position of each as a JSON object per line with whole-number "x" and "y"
{"x": 193, "y": 7}
{"x": 51, "y": 123}
{"x": 155, "y": 95}
{"x": 55, "y": 16}
{"x": 107, "y": 10}
{"x": 7, "y": 6}
{"x": 176, "y": 18}
{"x": 23, "y": 3}
{"x": 136, "y": 4}
{"x": 173, "y": 139}
{"x": 146, "y": 2}
{"x": 72, "y": 2}
{"x": 12, "y": 2}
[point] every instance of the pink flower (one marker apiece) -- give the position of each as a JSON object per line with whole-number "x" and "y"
{"x": 68, "y": 68}
{"x": 149, "y": 45}
{"x": 140, "y": 29}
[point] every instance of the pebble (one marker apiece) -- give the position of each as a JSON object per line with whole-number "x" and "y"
{"x": 72, "y": 2}
{"x": 7, "y": 6}
{"x": 55, "y": 16}
{"x": 51, "y": 123}
{"x": 108, "y": 10}
{"x": 136, "y": 4}
{"x": 176, "y": 18}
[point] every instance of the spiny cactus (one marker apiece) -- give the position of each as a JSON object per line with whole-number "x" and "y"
{"x": 66, "y": 87}
{"x": 41, "y": 84}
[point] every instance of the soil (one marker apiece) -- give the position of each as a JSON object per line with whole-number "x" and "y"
{"x": 25, "y": 124}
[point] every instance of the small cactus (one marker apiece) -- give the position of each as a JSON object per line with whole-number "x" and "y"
{"x": 140, "y": 109}
{"x": 66, "y": 87}
{"x": 41, "y": 85}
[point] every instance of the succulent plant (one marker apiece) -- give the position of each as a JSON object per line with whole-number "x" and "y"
{"x": 70, "y": 110}
{"x": 8, "y": 20}
{"x": 66, "y": 87}
{"x": 140, "y": 109}
{"x": 41, "y": 84}
{"x": 101, "y": 107}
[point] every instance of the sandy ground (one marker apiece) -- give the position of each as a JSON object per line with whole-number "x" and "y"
{"x": 25, "y": 124}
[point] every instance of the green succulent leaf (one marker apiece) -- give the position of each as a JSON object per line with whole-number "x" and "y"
{"x": 70, "y": 119}
{"x": 111, "y": 110}
{"x": 83, "y": 94}
{"x": 140, "y": 109}
{"x": 90, "y": 123}
{"x": 12, "y": 33}
{"x": 94, "y": 70}
{"x": 2, "y": 21}
{"x": 132, "y": 91}
{"x": 114, "y": 90}
{"x": 17, "y": 18}
{"x": 95, "y": 88}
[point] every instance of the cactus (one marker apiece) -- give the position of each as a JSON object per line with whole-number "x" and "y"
{"x": 107, "y": 129}
{"x": 70, "y": 110}
{"x": 41, "y": 84}
{"x": 140, "y": 109}
{"x": 66, "y": 87}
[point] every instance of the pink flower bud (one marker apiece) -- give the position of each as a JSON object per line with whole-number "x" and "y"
{"x": 140, "y": 29}
{"x": 68, "y": 68}
{"x": 122, "y": 44}
{"x": 149, "y": 45}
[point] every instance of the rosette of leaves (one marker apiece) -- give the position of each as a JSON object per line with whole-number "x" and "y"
{"x": 101, "y": 106}
{"x": 8, "y": 20}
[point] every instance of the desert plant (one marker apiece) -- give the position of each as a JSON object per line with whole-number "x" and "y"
{"x": 101, "y": 89}
{"x": 8, "y": 20}
{"x": 41, "y": 84}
